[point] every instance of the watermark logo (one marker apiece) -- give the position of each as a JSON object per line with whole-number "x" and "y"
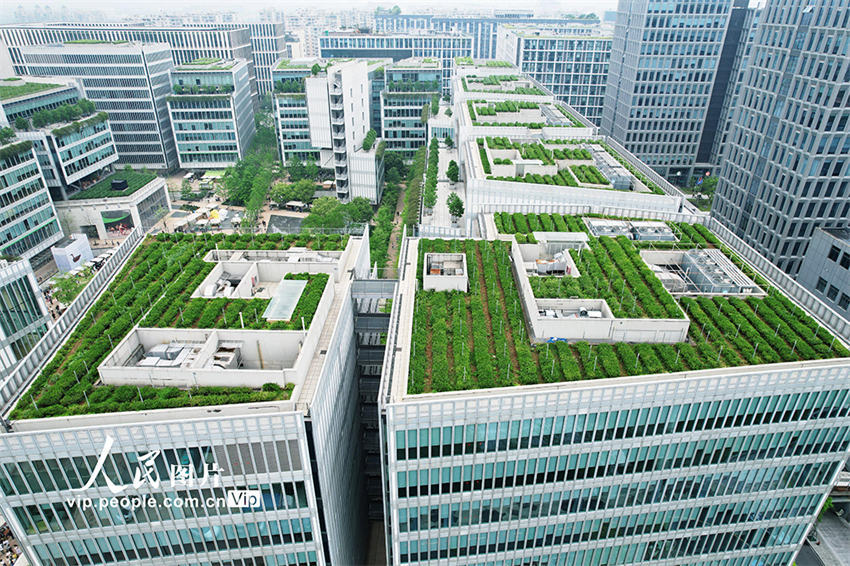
{"x": 185, "y": 476}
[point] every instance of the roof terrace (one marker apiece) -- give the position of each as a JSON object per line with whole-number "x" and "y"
{"x": 151, "y": 342}
{"x": 485, "y": 337}
{"x": 118, "y": 184}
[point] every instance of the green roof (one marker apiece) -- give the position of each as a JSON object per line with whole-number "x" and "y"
{"x": 16, "y": 90}
{"x": 103, "y": 188}
{"x": 479, "y": 339}
{"x": 154, "y": 289}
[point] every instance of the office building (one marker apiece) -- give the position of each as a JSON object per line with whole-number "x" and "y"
{"x": 252, "y": 425}
{"x": 211, "y": 113}
{"x": 410, "y": 85}
{"x": 129, "y": 81}
{"x": 826, "y": 268}
{"x": 670, "y": 69}
{"x": 786, "y": 171}
{"x": 571, "y": 62}
{"x": 23, "y": 313}
{"x": 30, "y": 225}
{"x": 186, "y": 43}
{"x": 547, "y": 426}
{"x": 443, "y": 47}
{"x": 326, "y": 118}
{"x": 739, "y": 67}
{"x": 482, "y": 29}
{"x": 72, "y": 140}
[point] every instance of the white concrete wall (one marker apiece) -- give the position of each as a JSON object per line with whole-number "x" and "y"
{"x": 318, "y": 111}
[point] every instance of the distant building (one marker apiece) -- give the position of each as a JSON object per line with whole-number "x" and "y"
{"x": 23, "y": 313}
{"x": 441, "y": 46}
{"x": 186, "y": 43}
{"x": 128, "y": 80}
{"x": 410, "y": 85}
{"x": 482, "y": 29}
{"x": 211, "y": 113}
{"x": 572, "y": 61}
{"x": 826, "y": 268}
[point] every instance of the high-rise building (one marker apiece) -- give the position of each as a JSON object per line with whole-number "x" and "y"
{"x": 826, "y": 268}
{"x": 410, "y": 85}
{"x": 211, "y": 112}
{"x": 23, "y": 313}
{"x": 572, "y": 62}
{"x": 187, "y": 44}
{"x": 327, "y": 117}
{"x": 236, "y": 441}
{"x": 30, "y": 225}
{"x": 129, "y": 81}
{"x": 72, "y": 140}
{"x": 441, "y": 46}
{"x": 786, "y": 170}
{"x": 670, "y": 69}
{"x": 482, "y": 29}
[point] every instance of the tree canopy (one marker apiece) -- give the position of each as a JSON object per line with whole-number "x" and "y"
{"x": 302, "y": 189}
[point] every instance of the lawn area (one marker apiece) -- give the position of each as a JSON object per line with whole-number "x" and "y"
{"x": 479, "y": 339}
{"x": 103, "y": 188}
{"x": 8, "y": 91}
{"x": 153, "y": 289}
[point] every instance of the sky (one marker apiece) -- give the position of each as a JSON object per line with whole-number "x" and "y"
{"x": 119, "y": 8}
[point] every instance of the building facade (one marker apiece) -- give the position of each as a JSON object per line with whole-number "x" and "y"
{"x": 826, "y": 268}
{"x": 572, "y": 63}
{"x": 785, "y": 172}
{"x": 327, "y": 118}
{"x": 30, "y": 225}
{"x": 443, "y": 47}
{"x": 670, "y": 69}
{"x": 73, "y": 142}
{"x": 138, "y": 113}
{"x": 259, "y": 482}
{"x": 410, "y": 85}
{"x": 23, "y": 313}
{"x": 186, "y": 43}
{"x": 211, "y": 113}
{"x": 482, "y": 29}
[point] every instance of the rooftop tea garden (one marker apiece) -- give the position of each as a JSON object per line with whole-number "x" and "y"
{"x": 567, "y": 174}
{"x": 503, "y": 84}
{"x": 479, "y": 339}
{"x": 153, "y": 289}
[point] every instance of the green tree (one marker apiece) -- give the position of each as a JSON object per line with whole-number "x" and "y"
{"x": 358, "y": 210}
{"x": 455, "y": 205}
{"x": 393, "y": 160}
{"x": 186, "y": 190}
{"x": 452, "y": 171}
{"x": 426, "y": 113}
{"x": 392, "y": 177}
{"x": 449, "y": 141}
{"x": 315, "y": 69}
{"x": 302, "y": 190}
{"x": 6, "y": 135}
{"x": 22, "y": 123}
{"x": 435, "y": 104}
{"x": 326, "y": 212}
{"x": 395, "y": 10}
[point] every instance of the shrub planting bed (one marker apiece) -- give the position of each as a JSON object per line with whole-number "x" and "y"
{"x": 479, "y": 339}
{"x": 161, "y": 273}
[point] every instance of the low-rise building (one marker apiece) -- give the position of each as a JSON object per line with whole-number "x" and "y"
{"x": 116, "y": 204}
{"x": 211, "y": 112}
